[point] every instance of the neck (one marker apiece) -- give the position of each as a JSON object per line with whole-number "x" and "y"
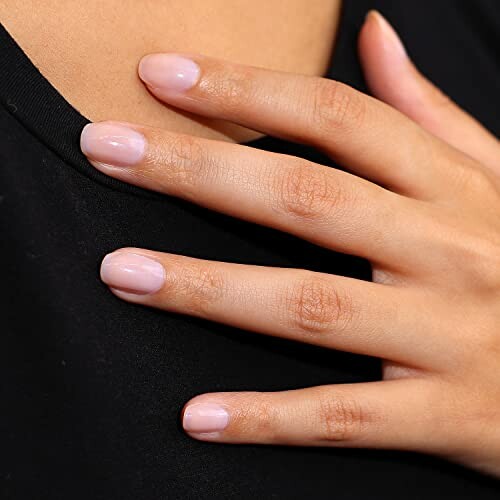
{"x": 90, "y": 50}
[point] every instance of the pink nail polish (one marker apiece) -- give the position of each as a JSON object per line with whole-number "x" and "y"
{"x": 112, "y": 144}
{"x": 169, "y": 72}
{"x": 201, "y": 418}
{"x": 132, "y": 273}
{"x": 392, "y": 38}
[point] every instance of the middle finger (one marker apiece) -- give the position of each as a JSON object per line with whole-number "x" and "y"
{"x": 316, "y": 308}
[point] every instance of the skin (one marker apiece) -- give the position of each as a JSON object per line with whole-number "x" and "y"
{"x": 80, "y": 47}
{"x": 425, "y": 213}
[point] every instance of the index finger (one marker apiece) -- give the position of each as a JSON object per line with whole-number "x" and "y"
{"x": 371, "y": 138}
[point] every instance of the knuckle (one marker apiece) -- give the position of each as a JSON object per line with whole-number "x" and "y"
{"x": 314, "y": 306}
{"x": 486, "y": 259}
{"x": 452, "y": 413}
{"x": 340, "y": 418}
{"x": 255, "y": 415}
{"x": 231, "y": 90}
{"x": 185, "y": 160}
{"x": 200, "y": 286}
{"x": 479, "y": 182}
{"x": 337, "y": 106}
{"x": 469, "y": 180}
{"x": 479, "y": 258}
{"x": 263, "y": 419}
{"x": 486, "y": 265}
{"x": 305, "y": 192}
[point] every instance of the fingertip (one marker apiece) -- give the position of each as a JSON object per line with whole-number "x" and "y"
{"x": 371, "y": 22}
{"x": 204, "y": 418}
{"x": 365, "y": 37}
{"x": 371, "y": 18}
{"x": 112, "y": 143}
{"x": 168, "y": 74}
{"x": 387, "y": 33}
{"x": 374, "y": 16}
{"x": 132, "y": 273}
{"x": 388, "y": 71}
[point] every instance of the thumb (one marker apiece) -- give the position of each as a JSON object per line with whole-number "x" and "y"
{"x": 394, "y": 79}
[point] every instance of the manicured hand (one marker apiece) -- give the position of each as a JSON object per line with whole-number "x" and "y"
{"x": 421, "y": 201}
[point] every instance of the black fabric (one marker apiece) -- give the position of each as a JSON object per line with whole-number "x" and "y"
{"x": 92, "y": 387}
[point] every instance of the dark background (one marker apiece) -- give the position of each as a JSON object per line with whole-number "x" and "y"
{"x": 91, "y": 387}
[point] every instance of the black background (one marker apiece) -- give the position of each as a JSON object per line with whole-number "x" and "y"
{"x": 92, "y": 387}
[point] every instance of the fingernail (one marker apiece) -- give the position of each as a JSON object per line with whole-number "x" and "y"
{"x": 112, "y": 144}
{"x": 391, "y": 37}
{"x": 202, "y": 418}
{"x": 132, "y": 273}
{"x": 169, "y": 72}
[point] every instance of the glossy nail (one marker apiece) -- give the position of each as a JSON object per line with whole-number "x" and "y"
{"x": 392, "y": 40}
{"x": 169, "y": 72}
{"x": 132, "y": 273}
{"x": 112, "y": 144}
{"x": 202, "y": 418}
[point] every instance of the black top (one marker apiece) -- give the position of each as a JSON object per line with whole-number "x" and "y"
{"x": 92, "y": 386}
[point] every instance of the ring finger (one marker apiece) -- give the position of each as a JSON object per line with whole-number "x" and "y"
{"x": 330, "y": 311}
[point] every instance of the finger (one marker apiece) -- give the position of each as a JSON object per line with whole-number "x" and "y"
{"x": 395, "y": 414}
{"x": 365, "y": 135}
{"x": 321, "y": 309}
{"x": 393, "y": 78}
{"x": 329, "y": 207}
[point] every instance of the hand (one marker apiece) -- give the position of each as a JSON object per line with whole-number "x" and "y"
{"x": 422, "y": 203}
